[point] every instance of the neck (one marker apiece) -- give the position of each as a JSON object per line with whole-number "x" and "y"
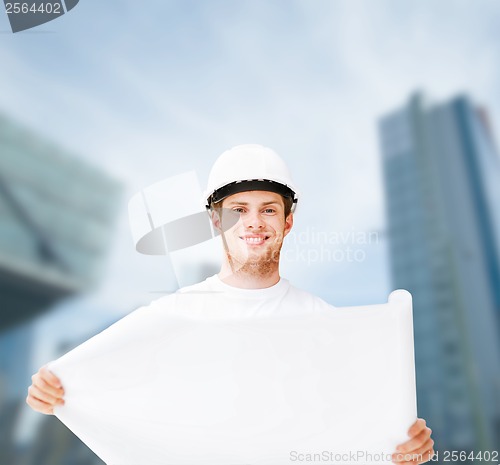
{"x": 247, "y": 278}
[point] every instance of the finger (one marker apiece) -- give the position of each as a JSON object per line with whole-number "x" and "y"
{"x": 430, "y": 454}
{"x": 44, "y": 396}
{"x": 415, "y": 442}
{"x": 414, "y": 429}
{"x": 418, "y": 460}
{"x": 425, "y": 457}
{"x": 421, "y": 455}
{"x": 44, "y": 386}
{"x": 50, "y": 377}
{"x": 418, "y": 426}
{"x": 425, "y": 449}
{"x": 403, "y": 458}
{"x": 421, "y": 459}
{"x": 424, "y": 454}
{"x": 39, "y": 406}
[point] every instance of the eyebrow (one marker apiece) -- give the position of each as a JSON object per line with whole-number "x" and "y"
{"x": 272, "y": 202}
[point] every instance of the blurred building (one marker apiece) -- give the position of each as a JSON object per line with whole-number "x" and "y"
{"x": 442, "y": 184}
{"x": 56, "y": 212}
{"x": 56, "y": 218}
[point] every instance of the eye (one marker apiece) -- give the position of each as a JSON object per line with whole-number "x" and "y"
{"x": 270, "y": 210}
{"x": 238, "y": 210}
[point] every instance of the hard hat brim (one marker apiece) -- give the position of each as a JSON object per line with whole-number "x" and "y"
{"x": 251, "y": 185}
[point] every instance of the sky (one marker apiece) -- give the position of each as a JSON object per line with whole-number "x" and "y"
{"x": 145, "y": 91}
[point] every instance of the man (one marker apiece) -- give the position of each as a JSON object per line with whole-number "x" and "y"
{"x": 251, "y": 199}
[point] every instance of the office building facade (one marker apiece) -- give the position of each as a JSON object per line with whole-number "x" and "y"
{"x": 442, "y": 185}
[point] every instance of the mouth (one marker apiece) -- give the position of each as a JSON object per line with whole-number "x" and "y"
{"x": 254, "y": 239}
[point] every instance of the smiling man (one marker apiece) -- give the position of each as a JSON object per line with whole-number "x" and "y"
{"x": 252, "y": 246}
{"x": 251, "y": 199}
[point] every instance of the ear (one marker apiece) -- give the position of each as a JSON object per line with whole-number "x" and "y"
{"x": 288, "y": 224}
{"x": 216, "y": 219}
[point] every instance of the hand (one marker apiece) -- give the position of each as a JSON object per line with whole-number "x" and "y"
{"x": 45, "y": 392}
{"x": 418, "y": 449}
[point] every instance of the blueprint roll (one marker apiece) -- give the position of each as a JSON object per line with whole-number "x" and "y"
{"x": 214, "y": 384}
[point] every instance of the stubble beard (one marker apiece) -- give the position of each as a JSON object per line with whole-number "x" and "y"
{"x": 260, "y": 265}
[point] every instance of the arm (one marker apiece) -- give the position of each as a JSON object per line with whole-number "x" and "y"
{"x": 45, "y": 392}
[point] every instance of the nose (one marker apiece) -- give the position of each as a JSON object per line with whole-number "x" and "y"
{"x": 253, "y": 220}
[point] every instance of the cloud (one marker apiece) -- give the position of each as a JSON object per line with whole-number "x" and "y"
{"x": 155, "y": 91}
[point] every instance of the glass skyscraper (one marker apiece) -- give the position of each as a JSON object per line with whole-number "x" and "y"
{"x": 442, "y": 185}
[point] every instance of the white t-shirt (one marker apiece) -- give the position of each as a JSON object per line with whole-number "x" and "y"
{"x": 213, "y": 297}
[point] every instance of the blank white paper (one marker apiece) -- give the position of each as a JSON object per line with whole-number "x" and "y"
{"x": 171, "y": 387}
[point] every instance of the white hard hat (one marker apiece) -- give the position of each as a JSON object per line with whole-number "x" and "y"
{"x": 246, "y": 168}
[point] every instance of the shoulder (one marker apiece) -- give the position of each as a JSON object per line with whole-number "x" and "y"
{"x": 304, "y": 297}
{"x": 202, "y": 286}
{"x": 170, "y": 300}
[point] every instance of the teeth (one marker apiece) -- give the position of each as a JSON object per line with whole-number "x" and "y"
{"x": 254, "y": 240}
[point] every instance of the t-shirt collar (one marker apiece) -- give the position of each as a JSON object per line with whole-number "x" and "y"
{"x": 280, "y": 287}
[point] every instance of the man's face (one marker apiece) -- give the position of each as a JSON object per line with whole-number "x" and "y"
{"x": 253, "y": 244}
